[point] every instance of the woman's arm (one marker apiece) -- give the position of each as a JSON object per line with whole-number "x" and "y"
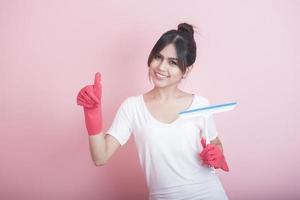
{"x": 102, "y": 147}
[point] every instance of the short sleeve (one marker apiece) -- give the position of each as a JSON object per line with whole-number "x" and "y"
{"x": 121, "y": 127}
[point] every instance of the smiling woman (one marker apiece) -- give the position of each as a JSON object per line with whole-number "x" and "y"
{"x": 184, "y": 43}
{"x": 164, "y": 67}
{"x": 175, "y": 164}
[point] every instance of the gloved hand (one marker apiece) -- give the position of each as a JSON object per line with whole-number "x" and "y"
{"x": 213, "y": 156}
{"x": 90, "y": 98}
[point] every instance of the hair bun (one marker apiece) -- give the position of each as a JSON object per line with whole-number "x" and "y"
{"x": 186, "y": 28}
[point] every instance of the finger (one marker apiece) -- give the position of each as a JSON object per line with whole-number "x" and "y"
{"x": 84, "y": 104}
{"x": 210, "y": 163}
{"x": 210, "y": 157}
{"x": 82, "y": 100}
{"x": 79, "y": 102}
{"x": 87, "y": 97}
{"x": 205, "y": 150}
{"x": 80, "y": 97}
{"x": 83, "y": 94}
{"x": 202, "y": 154}
{"x": 215, "y": 163}
{"x": 211, "y": 147}
{"x": 92, "y": 95}
{"x": 97, "y": 79}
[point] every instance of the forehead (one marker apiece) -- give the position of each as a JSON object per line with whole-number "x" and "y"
{"x": 169, "y": 51}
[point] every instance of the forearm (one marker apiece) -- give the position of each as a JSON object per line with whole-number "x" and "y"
{"x": 97, "y": 146}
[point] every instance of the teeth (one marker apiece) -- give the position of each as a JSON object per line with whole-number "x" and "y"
{"x": 160, "y": 76}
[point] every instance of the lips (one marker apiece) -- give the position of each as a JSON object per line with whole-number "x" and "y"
{"x": 160, "y": 76}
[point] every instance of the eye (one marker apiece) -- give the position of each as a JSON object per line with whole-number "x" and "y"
{"x": 157, "y": 56}
{"x": 172, "y": 62}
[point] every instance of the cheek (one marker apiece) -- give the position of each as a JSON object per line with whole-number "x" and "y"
{"x": 176, "y": 72}
{"x": 152, "y": 69}
{"x": 154, "y": 63}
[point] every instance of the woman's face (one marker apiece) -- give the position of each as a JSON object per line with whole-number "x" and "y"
{"x": 164, "y": 69}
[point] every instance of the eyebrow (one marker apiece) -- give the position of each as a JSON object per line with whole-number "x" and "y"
{"x": 170, "y": 58}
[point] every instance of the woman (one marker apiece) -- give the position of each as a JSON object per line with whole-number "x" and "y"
{"x": 176, "y": 161}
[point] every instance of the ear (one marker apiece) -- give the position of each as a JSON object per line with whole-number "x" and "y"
{"x": 188, "y": 70}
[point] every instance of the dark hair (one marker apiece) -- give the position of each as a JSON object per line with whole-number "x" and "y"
{"x": 183, "y": 39}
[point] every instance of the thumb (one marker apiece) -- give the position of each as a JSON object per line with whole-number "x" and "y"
{"x": 97, "y": 79}
{"x": 203, "y": 142}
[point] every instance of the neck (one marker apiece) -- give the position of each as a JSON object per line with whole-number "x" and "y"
{"x": 165, "y": 94}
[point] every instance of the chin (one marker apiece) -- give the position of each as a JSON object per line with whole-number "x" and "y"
{"x": 161, "y": 85}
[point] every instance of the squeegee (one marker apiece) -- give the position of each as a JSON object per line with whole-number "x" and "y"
{"x": 206, "y": 112}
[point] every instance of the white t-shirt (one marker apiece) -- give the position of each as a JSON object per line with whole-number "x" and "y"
{"x": 169, "y": 152}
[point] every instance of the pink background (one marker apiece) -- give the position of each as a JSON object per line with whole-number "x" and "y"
{"x": 248, "y": 51}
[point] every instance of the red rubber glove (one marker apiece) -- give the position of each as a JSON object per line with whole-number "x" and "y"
{"x": 212, "y": 155}
{"x": 90, "y": 98}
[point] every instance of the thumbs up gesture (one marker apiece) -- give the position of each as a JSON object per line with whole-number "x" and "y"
{"x": 90, "y": 98}
{"x": 90, "y": 95}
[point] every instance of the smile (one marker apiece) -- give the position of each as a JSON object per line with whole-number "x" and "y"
{"x": 160, "y": 76}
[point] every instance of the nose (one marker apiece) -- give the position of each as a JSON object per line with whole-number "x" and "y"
{"x": 162, "y": 66}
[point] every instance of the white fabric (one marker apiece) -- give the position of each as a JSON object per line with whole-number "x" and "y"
{"x": 168, "y": 152}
